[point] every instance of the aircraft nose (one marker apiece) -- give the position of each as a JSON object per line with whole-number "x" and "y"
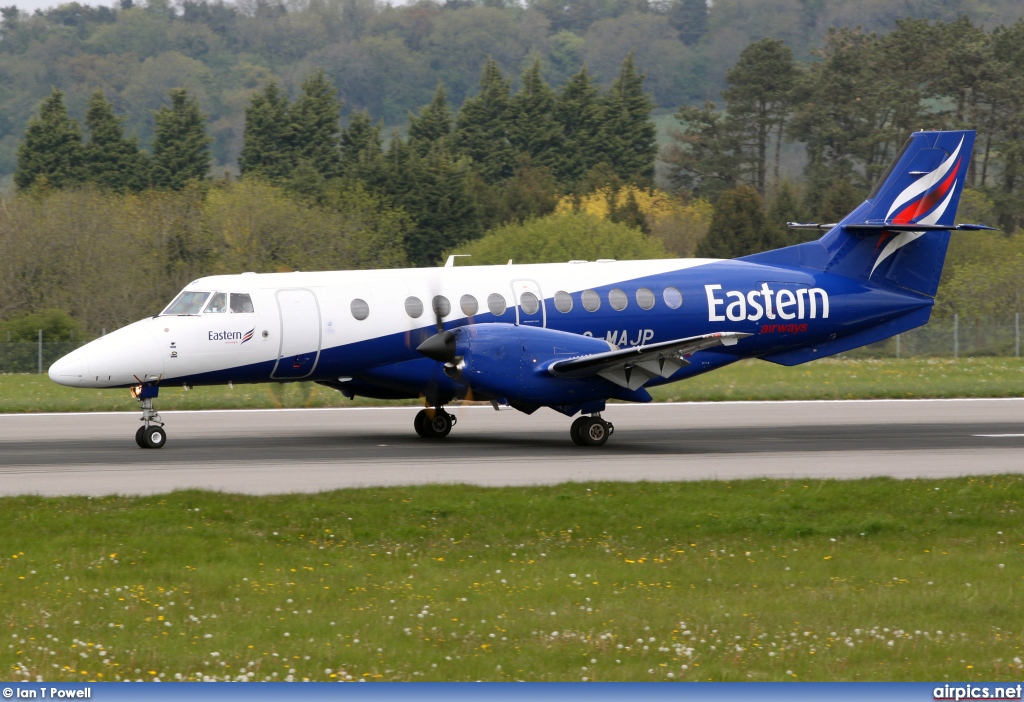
{"x": 68, "y": 370}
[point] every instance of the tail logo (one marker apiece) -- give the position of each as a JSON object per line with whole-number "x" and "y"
{"x": 917, "y": 203}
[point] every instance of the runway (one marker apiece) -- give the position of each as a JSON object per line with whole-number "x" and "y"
{"x": 278, "y": 451}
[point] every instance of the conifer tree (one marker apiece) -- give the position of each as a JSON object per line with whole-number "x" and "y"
{"x": 534, "y": 130}
{"x": 578, "y": 111}
{"x": 738, "y": 227}
{"x": 360, "y": 144}
{"x": 482, "y": 127}
{"x": 314, "y": 125}
{"x": 434, "y": 190}
{"x": 758, "y": 100}
{"x": 433, "y": 124}
{"x": 181, "y": 148}
{"x": 628, "y": 130}
{"x": 112, "y": 160}
{"x": 265, "y": 148}
{"x": 51, "y": 150}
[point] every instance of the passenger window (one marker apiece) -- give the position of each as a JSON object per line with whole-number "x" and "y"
{"x": 218, "y": 304}
{"x": 496, "y": 304}
{"x": 591, "y": 301}
{"x": 360, "y": 310}
{"x": 413, "y": 307}
{"x": 187, "y": 303}
{"x": 241, "y": 303}
{"x": 673, "y": 298}
{"x": 645, "y": 298}
{"x": 617, "y": 299}
{"x": 529, "y": 303}
{"x": 563, "y": 301}
{"x": 469, "y": 305}
{"x": 441, "y": 306}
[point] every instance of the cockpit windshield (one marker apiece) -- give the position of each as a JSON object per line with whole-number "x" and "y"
{"x": 187, "y": 303}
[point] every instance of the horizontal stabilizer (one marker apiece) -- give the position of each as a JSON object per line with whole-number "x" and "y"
{"x": 633, "y": 367}
{"x": 890, "y": 227}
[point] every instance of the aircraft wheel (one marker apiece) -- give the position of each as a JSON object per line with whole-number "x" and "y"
{"x": 595, "y": 431}
{"x": 139, "y": 438}
{"x": 574, "y": 431}
{"x": 441, "y": 424}
{"x": 420, "y": 424}
{"x": 437, "y": 426}
{"x": 154, "y": 436}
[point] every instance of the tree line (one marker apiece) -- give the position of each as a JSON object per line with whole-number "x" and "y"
{"x": 388, "y": 58}
{"x": 852, "y": 109}
{"x": 502, "y": 157}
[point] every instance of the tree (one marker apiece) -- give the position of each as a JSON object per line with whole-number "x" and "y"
{"x": 628, "y": 130}
{"x": 112, "y": 161}
{"x": 578, "y": 110}
{"x": 360, "y": 145}
{"x": 313, "y": 132}
{"x": 703, "y": 157}
{"x": 266, "y": 151}
{"x": 534, "y": 130}
{"x": 432, "y": 125}
{"x": 758, "y": 100}
{"x": 181, "y": 149}
{"x": 51, "y": 150}
{"x": 482, "y": 127}
{"x": 738, "y": 227}
{"x": 690, "y": 19}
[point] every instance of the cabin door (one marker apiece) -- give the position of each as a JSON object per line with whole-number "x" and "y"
{"x": 299, "y": 350}
{"x": 529, "y": 302}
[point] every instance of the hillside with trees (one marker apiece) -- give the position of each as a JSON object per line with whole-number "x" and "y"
{"x": 292, "y": 163}
{"x": 388, "y": 60}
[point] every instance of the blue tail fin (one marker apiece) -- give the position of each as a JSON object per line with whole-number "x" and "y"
{"x": 922, "y": 186}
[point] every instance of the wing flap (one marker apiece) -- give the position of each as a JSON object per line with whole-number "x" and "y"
{"x": 635, "y": 366}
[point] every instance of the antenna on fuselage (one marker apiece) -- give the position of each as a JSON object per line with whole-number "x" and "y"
{"x": 450, "y": 263}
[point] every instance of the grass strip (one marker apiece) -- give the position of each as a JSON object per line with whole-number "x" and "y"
{"x": 828, "y": 379}
{"x": 753, "y": 580}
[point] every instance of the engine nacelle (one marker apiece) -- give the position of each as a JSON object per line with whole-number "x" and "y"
{"x": 509, "y": 362}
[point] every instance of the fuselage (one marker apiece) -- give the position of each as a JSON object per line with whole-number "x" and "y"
{"x": 360, "y": 329}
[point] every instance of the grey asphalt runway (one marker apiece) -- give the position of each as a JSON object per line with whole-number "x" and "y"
{"x": 277, "y": 451}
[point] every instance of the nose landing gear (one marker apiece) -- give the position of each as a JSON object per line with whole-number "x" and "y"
{"x": 434, "y": 423}
{"x": 590, "y": 431}
{"x": 151, "y": 434}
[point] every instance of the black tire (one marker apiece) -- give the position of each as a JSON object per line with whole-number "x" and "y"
{"x": 440, "y": 425}
{"x": 139, "y": 439}
{"x": 420, "y": 424}
{"x": 594, "y": 431}
{"x": 155, "y": 437}
{"x": 574, "y": 431}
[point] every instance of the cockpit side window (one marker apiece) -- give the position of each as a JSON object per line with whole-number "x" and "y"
{"x": 187, "y": 303}
{"x": 218, "y": 304}
{"x": 241, "y": 303}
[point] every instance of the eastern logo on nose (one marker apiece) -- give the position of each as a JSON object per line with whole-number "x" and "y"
{"x": 231, "y": 336}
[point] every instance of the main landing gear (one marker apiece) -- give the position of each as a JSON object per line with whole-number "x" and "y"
{"x": 590, "y": 431}
{"x": 434, "y": 423}
{"x": 151, "y": 434}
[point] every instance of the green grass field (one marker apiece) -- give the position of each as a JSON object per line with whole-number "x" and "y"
{"x": 756, "y": 580}
{"x": 747, "y": 380}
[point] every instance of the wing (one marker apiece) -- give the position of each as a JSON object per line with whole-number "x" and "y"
{"x": 634, "y": 367}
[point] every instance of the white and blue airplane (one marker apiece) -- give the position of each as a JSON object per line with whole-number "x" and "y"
{"x": 568, "y": 336}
